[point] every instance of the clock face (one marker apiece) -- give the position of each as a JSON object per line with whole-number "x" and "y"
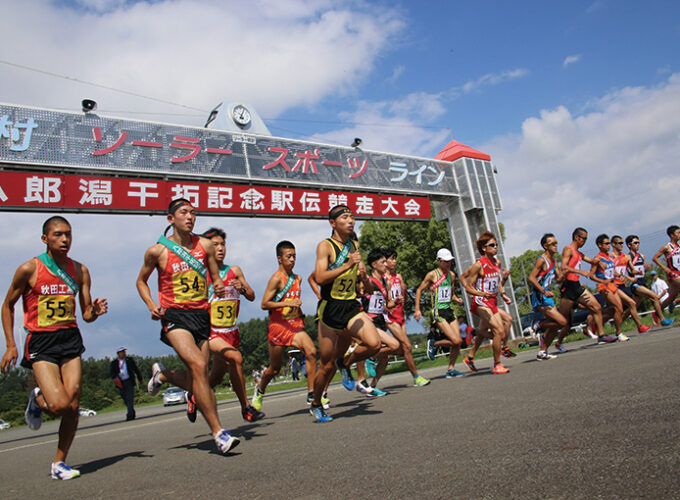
{"x": 241, "y": 115}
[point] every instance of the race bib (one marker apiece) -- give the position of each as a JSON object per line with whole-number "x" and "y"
{"x": 444, "y": 294}
{"x": 609, "y": 273}
{"x": 676, "y": 261}
{"x": 620, "y": 270}
{"x": 491, "y": 284}
{"x": 188, "y": 286}
{"x": 344, "y": 286}
{"x": 395, "y": 292}
{"x": 56, "y": 309}
{"x": 223, "y": 313}
{"x": 639, "y": 271}
{"x": 376, "y": 304}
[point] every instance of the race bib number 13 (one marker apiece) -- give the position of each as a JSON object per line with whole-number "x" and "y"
{"x": 188, "y": 286}
{"x": 55, "y": 309}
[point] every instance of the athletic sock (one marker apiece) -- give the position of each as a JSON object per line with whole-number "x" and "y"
{"x": 260, "y": 391}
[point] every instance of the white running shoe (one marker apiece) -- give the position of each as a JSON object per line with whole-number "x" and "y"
{"x": 226, "y": 441}
{"x": 560, "y": 348}
{"x": 363, "y": 387}
{"x": 545, "y": 355}
{"x": 622, "y": 338}
{"x": 62, "y": 471}
{"x": 155, "y": 383}
{"x": 33, "y": 413}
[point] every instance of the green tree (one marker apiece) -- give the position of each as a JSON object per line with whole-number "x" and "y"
{"x": 520, "y": 268}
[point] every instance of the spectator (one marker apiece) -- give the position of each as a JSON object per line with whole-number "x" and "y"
{"x": 123, "y": 372}
{"x": 295, "y": 368}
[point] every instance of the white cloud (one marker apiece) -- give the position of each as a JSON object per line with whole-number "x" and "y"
{"x": 398, "y": 71}
{"x": 274, "y": 55}
{"x": 488, "y": 80}
{"x": 571, "y": 60}
{"x": 612, "y": 169}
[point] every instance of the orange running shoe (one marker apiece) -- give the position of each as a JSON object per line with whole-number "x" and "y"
{"x": 655, "y": 319}
{"x": 499, "y": 369}
{"x": 644, "y": 328}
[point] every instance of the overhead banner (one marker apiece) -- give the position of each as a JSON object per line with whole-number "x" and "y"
{"x": 37, "y": 191}
{"x": 89, "y": 143}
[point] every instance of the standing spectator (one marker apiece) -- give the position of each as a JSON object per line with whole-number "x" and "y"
{"x": 123, "y": 372}
{"x": 660, "y": 288}
{"x": 294, "y": 368}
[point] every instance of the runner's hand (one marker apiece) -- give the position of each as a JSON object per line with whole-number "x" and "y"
{"x": 219, "y": 288}
{"x": 157, "y": 312}
{"x": 293, "y": 303}
{"x": 417, "y": 315}
{"x": 458, "y": 301}
{"x": 355, "y": 258}
{"x": 9, "y": 360}
{"x": 100, "y": 306}
{"x": 506, "y": 299}
{"x": 549, "y": 294}
{"x": 236, "y": 283}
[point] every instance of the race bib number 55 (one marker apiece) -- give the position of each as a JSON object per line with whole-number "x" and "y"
{"x": 55, "y": 309}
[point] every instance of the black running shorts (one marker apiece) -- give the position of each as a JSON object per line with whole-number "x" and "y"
{"x": 195, "y": 321}
{"x": 444, "y": 315}
{"x": 572, "y": 290}
{"x": 53, "y": 347}
{"x": 337, "y": 314}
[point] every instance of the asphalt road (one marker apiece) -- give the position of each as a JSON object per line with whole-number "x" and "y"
{"x": 597, "y": 422}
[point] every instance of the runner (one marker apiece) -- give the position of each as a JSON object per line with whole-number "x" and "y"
{"x": 623, "y": 266}
{"x": 542, "y": 298}
{"x": 183, "y": 262}
{"x": 671, "y": 267}
{"x": 336, "y": 269}
{"x": 440, "y": 282}
{"x": 375, "y": 307}
{"x": 286, "y": 322}
{"x": 396, "y": 322}
{"x": 311, "y": 279}
{"x": 482, "y": 281}
{"x": 637, "y": 268}
{"x": 225, "y": 338}
{"x": 572, "y": 292}
{"x": 48, "y": 285}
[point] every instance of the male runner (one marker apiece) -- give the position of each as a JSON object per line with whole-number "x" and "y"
{"x": 572, "y": 293}
{"x": 376, "y": 309}
{"x": 340, "y": 315}
{"x": 440, "y": 282}
{"x": 183, "y": 262}
{"x": 396, "y": 322}
{"x": 622, "y": 266}
{"x": 483, "y": 282}
{"x": 225, "y": 338}
{"x": 542, "y": 298}
{"x": 286, "y": 322}
{"x": 671, "y": 267}
{"x": 636, "y": 272}
{"x": 48, "y": 285}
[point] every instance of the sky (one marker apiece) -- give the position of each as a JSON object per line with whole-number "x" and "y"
{"x": 577, "y": 102}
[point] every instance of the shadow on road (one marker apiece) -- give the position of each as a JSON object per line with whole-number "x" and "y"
{"x": 95, "y": 465}
{"x": 208, "y": 445}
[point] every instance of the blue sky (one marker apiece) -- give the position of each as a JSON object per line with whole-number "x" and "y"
{"x": 578, "y": 104}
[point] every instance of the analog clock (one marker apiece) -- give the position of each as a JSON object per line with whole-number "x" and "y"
{"x": 241, "y": 115}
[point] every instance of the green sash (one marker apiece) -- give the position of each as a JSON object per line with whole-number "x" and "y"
{"x": 340, "y": 260}
{"x": 59, "y": 271}
{"x": 223, "y": 274}
{"x": 289, "y": 283}
{"x": 183, "y": 254}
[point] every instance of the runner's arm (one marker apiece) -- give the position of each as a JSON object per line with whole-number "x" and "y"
{"x": 16, "y": 288}
{"x": 323, "y": 260}
{"x": 213, "y": 268}
{"x": 150, "y": 262}
{"x": 311, "y": 279}
{"x": 273, "y": 286}
{"x": 427, "y": 281}
{"x": 469, "y": 277}
{"x": 241, "y": 284}
{"x": 533, "y": 277}
{"x": 91, "y": 309}
{"x": 458, "y": 300}
{"x": 657, "y": 260}
{"x": 594, "y": 265}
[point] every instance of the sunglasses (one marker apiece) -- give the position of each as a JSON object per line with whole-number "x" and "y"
{"x": 492, "y": 245}
{"x": 617, "y": 242}
{"x": 634, "y": 242}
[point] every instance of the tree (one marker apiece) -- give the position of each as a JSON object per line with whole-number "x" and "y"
{"x": 520, "y": 268}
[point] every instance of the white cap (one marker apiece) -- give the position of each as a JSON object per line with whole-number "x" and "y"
{"x": 444, "y": 254}
{"x": 121, "y": 349}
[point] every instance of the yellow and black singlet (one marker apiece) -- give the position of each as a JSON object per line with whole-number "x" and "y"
{"x": 344, "y": 286}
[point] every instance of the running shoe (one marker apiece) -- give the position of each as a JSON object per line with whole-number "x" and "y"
{"x": 155, "y": 383}
{"x": 320, "y": 414}
{"x": 506, "y": 352}
{"x": 667, "y": 321}
{"x": 453, "y": 373}
{"x": 606, "y": 339}
{"x": 60, "y": 470}
{"x": 347, "y": 379}
{"x": 644, "y": 329}
{"x": 470, "y": 363}
{"x": 226, "y": 441}
{"x": 191, "y": 407}
{"x": 499, "y": 369}
{"x": 622, "y": 338}
{"x": 590, "y": 331}
{"x": 655, "y": 319}
{"x": 33, "y": 413}
{"x": 545, "y": 355}
{"x": 363, "y": 387}
{"x": 560, "y": 348}
{"x": 370, "y": 367}
{"x": 420, "y": 381}
{"x": 377, "y": 392}
{"x": 310, "y": 398}
{"x": 536, "y": 326}
{"x": 256, "y": 402}
{"x": 251, "y": 414}
{"x": 431, "y": 349}
{"x": 325, "y": 401}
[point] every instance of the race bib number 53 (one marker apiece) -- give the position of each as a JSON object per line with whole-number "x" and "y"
{"x": 223, "y": 313}
{"x": 55, "y": 309}
{"x": 188, "y": 286}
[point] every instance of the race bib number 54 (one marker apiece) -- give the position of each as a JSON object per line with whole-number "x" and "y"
{"x": 188, "y": 286}
{"x": 55, "y": 309}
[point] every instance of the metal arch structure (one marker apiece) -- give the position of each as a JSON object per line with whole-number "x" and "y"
{"x": 81, "y": 162}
